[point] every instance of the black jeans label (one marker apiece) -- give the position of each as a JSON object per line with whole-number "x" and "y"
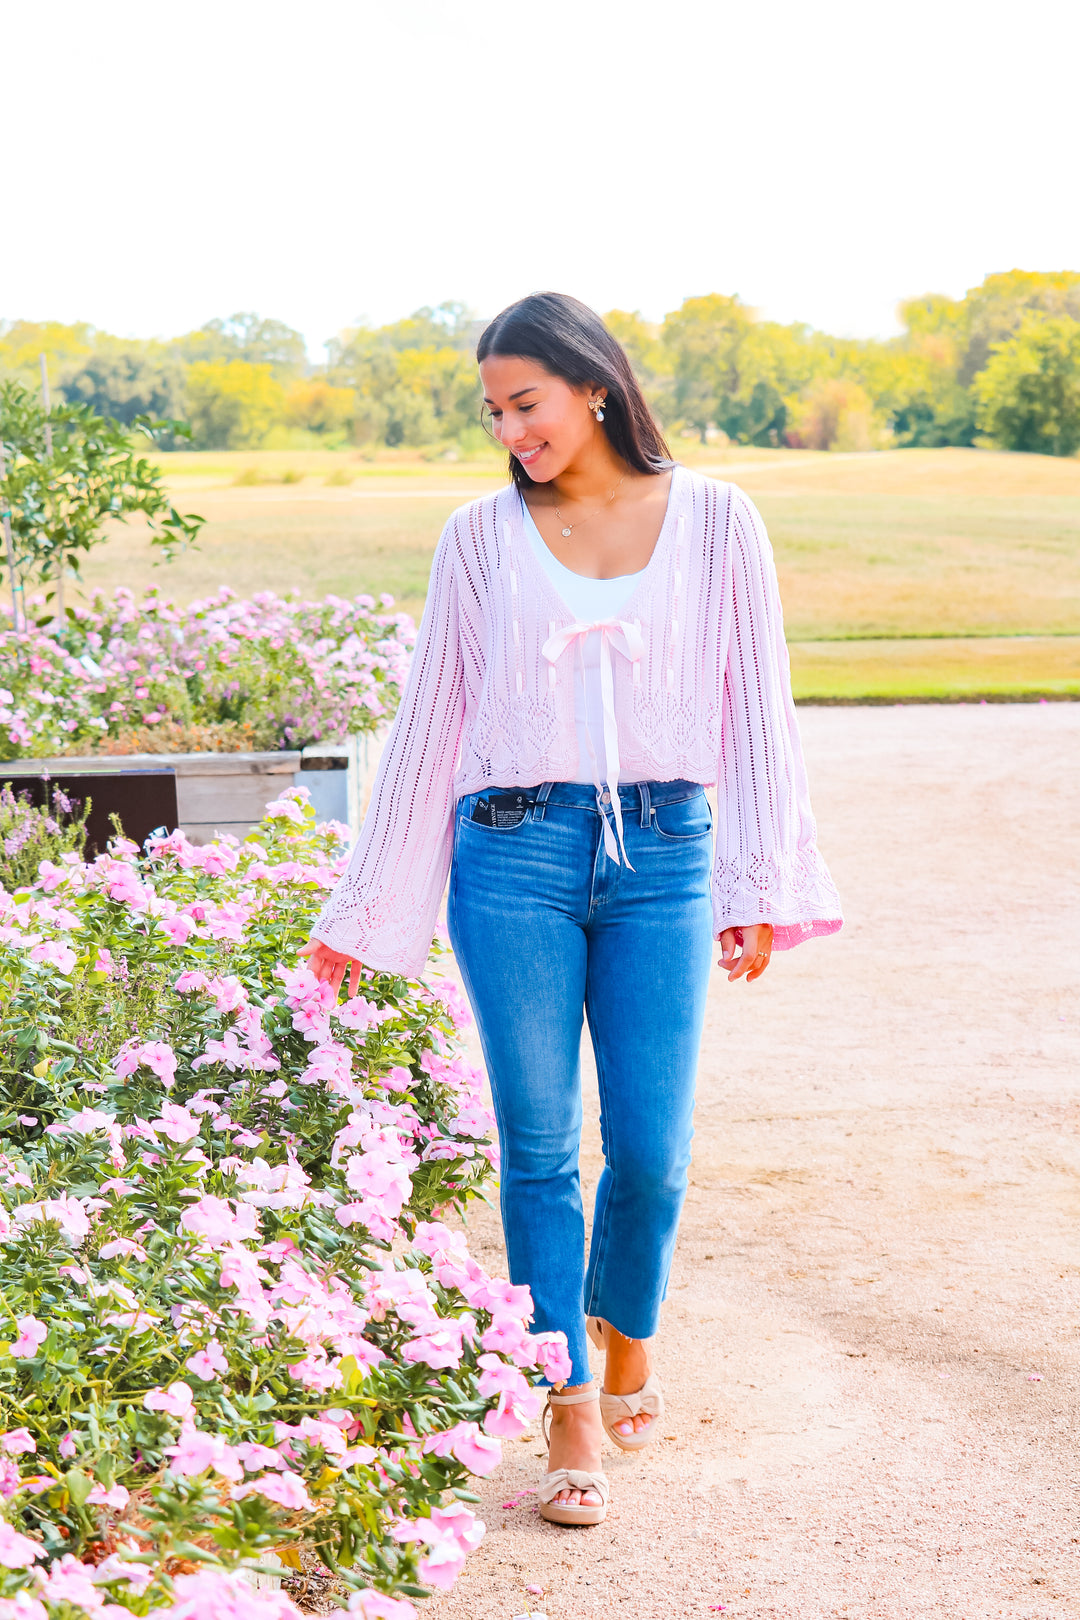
{"x": 501, "y": 809}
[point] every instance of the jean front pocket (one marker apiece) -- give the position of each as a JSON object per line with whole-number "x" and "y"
{"x": 683, "y": 819}
{"x": 497, "y": 811}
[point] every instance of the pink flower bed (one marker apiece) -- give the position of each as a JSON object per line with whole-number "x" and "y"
{"x": 239, "y": 1316}
{"x": 283, "y": 672}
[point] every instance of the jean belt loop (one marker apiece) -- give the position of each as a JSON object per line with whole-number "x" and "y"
{"x": 646, "y": 803}
{"x": 540, "y": 801}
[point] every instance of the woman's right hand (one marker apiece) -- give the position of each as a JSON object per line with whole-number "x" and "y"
{"x": 330, "y": 966}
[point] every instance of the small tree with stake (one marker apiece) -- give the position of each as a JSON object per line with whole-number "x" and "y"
{"x": 58, "y": 497}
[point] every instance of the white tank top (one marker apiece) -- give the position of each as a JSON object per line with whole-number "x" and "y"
{"x": 588, "y": 600}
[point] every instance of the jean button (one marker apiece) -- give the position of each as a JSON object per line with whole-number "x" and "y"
{"x": 605, "y": 797}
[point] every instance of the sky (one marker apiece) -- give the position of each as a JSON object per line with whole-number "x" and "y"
{"x": 327, "y": 162}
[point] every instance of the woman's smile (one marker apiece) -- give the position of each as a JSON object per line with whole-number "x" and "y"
{"x": 530, "y": 455}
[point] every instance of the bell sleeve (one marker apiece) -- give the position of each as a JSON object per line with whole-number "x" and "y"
{"x": 768, "y": 868}
{"x": 383, "y": 909}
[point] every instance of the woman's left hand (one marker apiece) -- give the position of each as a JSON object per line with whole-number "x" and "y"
{"x": 756, "y": 951}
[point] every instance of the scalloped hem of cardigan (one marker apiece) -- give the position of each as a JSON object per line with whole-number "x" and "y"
{"x": 787, "y": 935}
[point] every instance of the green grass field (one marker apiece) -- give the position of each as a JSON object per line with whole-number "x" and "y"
{"x": 920, "y": 574}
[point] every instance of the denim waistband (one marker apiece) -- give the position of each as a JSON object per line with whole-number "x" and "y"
{"x": 583, "y": 795}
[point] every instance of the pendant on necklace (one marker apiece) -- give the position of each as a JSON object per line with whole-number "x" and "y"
{"x": 567, "y": 533}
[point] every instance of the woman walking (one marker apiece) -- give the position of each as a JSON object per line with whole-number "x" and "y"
{"x": 601, "y": 639}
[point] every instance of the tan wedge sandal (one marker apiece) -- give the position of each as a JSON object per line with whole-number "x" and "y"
{"x": 571, "y": 1479}
{"x": 648, "y": 1401}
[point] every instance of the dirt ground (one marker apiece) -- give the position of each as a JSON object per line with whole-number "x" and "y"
{"x": 870, "y": 1343}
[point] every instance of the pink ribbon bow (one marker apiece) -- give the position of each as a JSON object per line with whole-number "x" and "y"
{"x": 625, "y": 638}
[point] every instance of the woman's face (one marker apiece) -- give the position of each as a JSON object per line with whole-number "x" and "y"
{"x": 540, "y": 419}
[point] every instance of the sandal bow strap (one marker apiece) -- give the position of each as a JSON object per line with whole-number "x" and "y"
{"x": 573, "y": 1479}
{"x": 648, "y": 1400}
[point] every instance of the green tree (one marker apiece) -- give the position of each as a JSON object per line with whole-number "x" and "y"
{"x": 126, "y": 380}
{"x": 703, "y": 339}
{"x": 23, "y": 342}
{"x": 317, "y": 406}
{"x": 914, "y": 385}
{"x": 836, "y": 413}
{"x": 415, "y": 380}
{"x": 645, "y": 350}
{"x": 233, "y": 404}
{"x": 995, "y": 310}
{"x": 61, "y": 501}
{"x": 1028, "y": 393}
{"x": 246, "y": 336}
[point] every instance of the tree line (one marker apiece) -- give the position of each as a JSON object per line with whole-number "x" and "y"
{"x": 1000, "y": 367}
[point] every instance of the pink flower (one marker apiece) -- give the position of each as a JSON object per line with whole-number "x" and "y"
{"x": 192, "y": 980}
{"x": 198, "y": 1451}
{"x": 177, "y": 1400}
{"x": 358, "y": 1013}
{"x": 457, "y": 1522}
{"x": 71, "y": 1581}
{"x": 512, "y": 1415}
{"x": 312, "y": 1023}
{"x": 474, "y": 1450}
{"x": 372, "y": 1605}
{"x": 441, "y": 1347}
{"x": 116, "y": 1568}
{"x": 286, "y": 1488}
{"x": 227, "y": 921}
{"x": 116, "y": 1497}
{"x": 156, "y": 1055}
{"x": 495, "y": 1294}
{"x": 207, "y": 1363}
{"x": 436, "y": 1240}
{"x": 85, "y": 1122}
{"x": 109, "y": 1251}
{"x": 315, "y": 1372}
{"x": 254, "y": 1456}
{"x": 176, "y": 1123}
{"x": 179, "y": 928}
{"x": 496, "y": 1377}
{"x": 320, "y": 1432}
{"x": 103, "y": 962}
{"x": 550, "y": 1354}
{"x": 473, "y": 1119}
{"x": 65, "y": 1210}
{"x": 228, "y": 1051}
{"x": 212, "y": 1595}
{"x": 285, "y": 809}
{"x": 32, "y": 1333}
{"x": 213, "y": 1219}
{"x": 67, "y": 1447}
{"x": 442, "y": 1565}
{"x": 300, "y": 983}
{"x": 17, "y": 1440}
{"x": 58, "y": 956}
{"x": 228, "y": 993}
{"x": 16, "y": 1551}
{"x": 507, "y": 1334}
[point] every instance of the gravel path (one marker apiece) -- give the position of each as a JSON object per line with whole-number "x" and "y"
{"x": 870, "y": 1344}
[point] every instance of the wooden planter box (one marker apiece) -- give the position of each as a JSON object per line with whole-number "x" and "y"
{"x": 203, "y": 794}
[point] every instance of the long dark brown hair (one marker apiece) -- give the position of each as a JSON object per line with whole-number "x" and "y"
{"x": 570, "y": 341}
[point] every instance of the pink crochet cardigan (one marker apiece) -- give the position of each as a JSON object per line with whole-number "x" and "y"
{"x": 707, "y": 698}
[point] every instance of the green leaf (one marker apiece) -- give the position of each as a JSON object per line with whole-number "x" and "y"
{"x": 79, "y": 1485}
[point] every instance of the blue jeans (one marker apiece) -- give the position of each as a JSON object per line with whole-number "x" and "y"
{"x": 544, "y": 925}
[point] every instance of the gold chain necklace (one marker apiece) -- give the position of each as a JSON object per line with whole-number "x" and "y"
{"x": 570, "y": 527}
